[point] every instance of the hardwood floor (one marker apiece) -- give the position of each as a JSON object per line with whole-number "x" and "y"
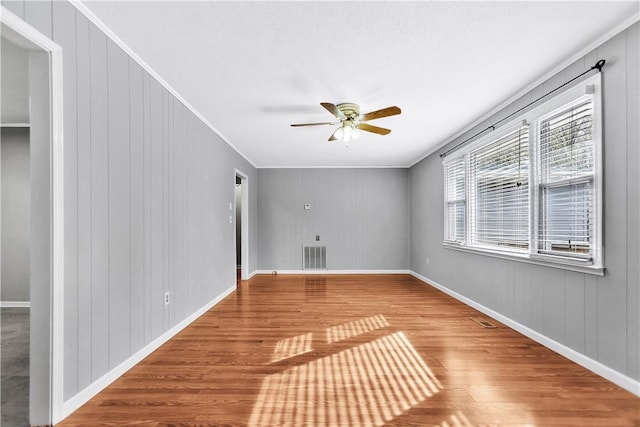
{"x": 354, "y": 350}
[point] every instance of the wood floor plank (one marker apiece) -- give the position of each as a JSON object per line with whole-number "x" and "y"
{"x": 353, "y": 350}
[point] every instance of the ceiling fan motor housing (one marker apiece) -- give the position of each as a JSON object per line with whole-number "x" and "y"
{"x": 349, "y": 110}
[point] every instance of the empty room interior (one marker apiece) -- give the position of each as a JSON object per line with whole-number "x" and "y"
{"x": 320, "y": 213}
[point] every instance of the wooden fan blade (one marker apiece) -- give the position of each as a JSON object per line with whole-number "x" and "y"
{"x": 333, "y": 136}
{"x": 332, "y": 109}
{"x": 313, "y": 124}
{"x": 374, "y": 129}
{"x": 378, "y": 114}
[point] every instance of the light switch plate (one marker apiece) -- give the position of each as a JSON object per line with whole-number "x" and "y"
{"x": 307, "y": 206}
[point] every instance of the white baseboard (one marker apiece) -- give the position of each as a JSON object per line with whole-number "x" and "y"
{"x": 604, "y": 371}
{"x": 253, "y": 273}
{"x": 94, "y": 388}
{"x": 321, "y": 272}
{"x": 15, "y": 304}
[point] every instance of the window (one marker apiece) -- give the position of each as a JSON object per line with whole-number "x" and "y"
{"x": 565, "y": 181}
{"x": 499, "y": 196}
{"x": 531, "y": 190}
{"x": 455, "y": 203}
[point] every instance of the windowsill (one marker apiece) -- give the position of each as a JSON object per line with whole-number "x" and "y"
{"x": 529, "y": 259}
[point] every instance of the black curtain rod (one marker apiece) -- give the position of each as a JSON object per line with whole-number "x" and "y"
{"x": 598, "y": 66}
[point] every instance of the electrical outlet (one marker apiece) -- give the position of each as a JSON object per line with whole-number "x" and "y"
{"x": 167, "y": 300}
{"x": 317, "y": 238}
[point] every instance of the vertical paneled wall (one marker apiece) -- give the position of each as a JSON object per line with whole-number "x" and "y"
{"x": 15, "y": 187}
{"x": 596, "y": 316}
{"x": 361, "y": 215}
{"x": 15, "y": 208}
{"x": 147, "y": 193}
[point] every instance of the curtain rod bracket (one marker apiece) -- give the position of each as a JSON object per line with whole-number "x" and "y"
{"x": 599, "y": 65}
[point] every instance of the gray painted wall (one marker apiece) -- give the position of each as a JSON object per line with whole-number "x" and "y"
{"x": 15, "y": 214}
{"x": 147, "y": 193}
{"x": 16, "y": 199}
{"x": 14, "y": 101}
{"x": 596, "y": 316}
{"x": 361, "y": 215}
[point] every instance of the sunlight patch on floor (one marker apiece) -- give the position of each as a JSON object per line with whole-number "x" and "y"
{"x": 366, "y": 385}
{"x": 456, "y": 420}
{"x": 291, "y": 347}
{"x": 357, "y": 327}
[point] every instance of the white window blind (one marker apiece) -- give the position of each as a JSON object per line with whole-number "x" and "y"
{"x": 532, "y": 189}
{"x": 565, "y": 180}
{"x": 455, "y": 201}
{"x": 499, "y": 193}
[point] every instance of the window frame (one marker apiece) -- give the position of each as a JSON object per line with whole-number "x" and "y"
{"x": 592, "y": 87}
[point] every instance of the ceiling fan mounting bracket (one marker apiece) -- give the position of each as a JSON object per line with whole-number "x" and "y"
{"x": 349, "y": 110}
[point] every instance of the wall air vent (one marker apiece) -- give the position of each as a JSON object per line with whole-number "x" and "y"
{"x": 314, "y": 257}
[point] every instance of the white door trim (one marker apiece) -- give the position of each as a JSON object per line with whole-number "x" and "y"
{"x": 56, "y": 283}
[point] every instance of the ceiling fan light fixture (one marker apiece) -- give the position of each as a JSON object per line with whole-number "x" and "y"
{"x": 349, "y": 132}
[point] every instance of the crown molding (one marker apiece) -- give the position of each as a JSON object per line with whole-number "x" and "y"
{"x": 82, "y": 8}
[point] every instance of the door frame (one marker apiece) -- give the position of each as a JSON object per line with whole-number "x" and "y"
{"x": 56, "y": 198}
{"x": 244, "y": 222}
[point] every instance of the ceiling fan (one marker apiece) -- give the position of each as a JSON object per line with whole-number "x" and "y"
{"x": 352, "y": 122}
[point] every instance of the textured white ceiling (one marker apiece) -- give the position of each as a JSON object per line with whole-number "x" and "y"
{"x": 253, "y": 68}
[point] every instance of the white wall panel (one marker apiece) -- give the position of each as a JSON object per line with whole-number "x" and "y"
{"x": 99, "y": 203}
{"x": 553, "y": 283}
{"x": 574, "y": 311}
{"x": 157, "y": 179}
{"x": 591, "y": 316}
{"x": 84, "y": 226}
{"x": 119, "y": 206}
{"x": 146, "y": 86}
{"x": 136, "y": 203}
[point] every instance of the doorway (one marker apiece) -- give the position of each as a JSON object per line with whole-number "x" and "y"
{"x": 15, "y": 230}
{"x": 238, "y": 199}
{"x": 241, "y": 202}
{"x": 31, "y": 133}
